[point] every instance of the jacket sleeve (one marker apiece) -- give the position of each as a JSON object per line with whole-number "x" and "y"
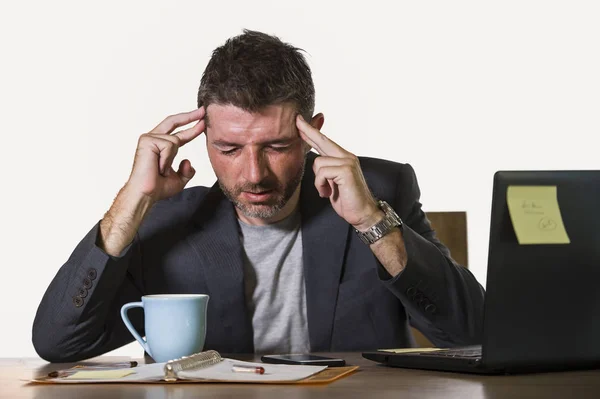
{"x": 79, "y": 315}
{"x": 443, "y": 299}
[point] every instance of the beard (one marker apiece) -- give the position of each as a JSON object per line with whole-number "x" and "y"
{"x": 283, "y": 191}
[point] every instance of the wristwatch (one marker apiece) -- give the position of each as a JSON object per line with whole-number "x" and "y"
{"x": 381, "y": 228}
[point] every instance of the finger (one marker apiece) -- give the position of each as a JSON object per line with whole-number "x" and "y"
{"x": 182, "y": 137}
{"x": 331, "y": 176}
{"x": 323, "y": 161}
{"x": 321, "y": 181}
{"x": 342, "y": 165}
{"x": 187, "y": 135}
{"x": 172, "y": 122}
{"x": 318, "y": 140}
{"x": 335, "y": 192}
{"x": 324, "y": 187}
{"x": 167, "y": 150}
{"x": 168, "y": 137}
{"x": 185, "y": 171}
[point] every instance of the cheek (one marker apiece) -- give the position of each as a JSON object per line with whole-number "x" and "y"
{"x": 222, "y": 166}
{"x": 286, "y": 166}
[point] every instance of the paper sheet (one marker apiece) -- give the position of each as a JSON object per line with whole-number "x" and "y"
{"x": 100, "y": 374}
{"x": 535, "y": 215}
{"x": 273, "y": 372}
{"x": 412, "y": 350}
{"x": 145, "y": 373}
{"x": 218, "y": 372}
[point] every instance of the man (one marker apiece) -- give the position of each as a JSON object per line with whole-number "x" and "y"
{"x": 298, "y": 252}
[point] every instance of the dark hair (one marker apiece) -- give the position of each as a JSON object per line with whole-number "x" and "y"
{"x": 255, "y": 70}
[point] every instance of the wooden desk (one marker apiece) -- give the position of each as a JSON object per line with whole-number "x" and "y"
{"x": 371, "y": 381}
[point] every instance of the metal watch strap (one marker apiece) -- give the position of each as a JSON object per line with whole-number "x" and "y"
{"x": 381, "y": 228}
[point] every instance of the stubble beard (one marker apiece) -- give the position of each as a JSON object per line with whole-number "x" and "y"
{"x": 269, "y": 208}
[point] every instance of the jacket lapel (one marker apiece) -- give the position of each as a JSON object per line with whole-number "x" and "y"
{"x": 216, "y": 242}
{"x": 324, "y": 240}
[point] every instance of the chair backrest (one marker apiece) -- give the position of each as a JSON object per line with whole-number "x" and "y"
{"x": 451, "y": 229}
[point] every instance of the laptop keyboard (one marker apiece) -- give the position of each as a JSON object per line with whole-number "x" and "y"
{"x": 469, "y": 351}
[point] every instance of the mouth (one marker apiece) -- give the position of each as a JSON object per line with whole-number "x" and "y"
{"x": 258, "y": 196}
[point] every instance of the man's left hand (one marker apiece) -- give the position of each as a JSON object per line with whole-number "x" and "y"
{"x": 338, "y": 176}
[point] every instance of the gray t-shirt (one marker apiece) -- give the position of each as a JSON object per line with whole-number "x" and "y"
{"x": 274, "y": 286}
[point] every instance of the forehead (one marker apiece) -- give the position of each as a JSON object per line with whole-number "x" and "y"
{"x": 228, "y": 122}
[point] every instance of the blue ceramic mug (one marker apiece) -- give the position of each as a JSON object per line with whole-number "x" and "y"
{"x": 175, "y": 324}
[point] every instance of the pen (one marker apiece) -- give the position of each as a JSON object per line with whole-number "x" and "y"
{"x": 108, "y": 366}
{"x": 238, "y": 368}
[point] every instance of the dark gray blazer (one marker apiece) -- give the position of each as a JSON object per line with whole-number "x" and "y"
{"x": 190, "y": 244}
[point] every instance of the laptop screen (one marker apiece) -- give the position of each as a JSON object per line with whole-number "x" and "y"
{"x": 543, "y": 299}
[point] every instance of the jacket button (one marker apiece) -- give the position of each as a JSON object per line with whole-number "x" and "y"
{"x": 82, "y": 292}
{"x": 78, "y": 301}
{"x": 431, "y": 308}
{"x": 87, "y": 283}
{"x": 411, "y": 292}
{"x": 92, "y": 274}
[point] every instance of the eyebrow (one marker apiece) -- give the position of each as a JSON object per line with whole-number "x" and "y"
{"x": 224, "y": 143}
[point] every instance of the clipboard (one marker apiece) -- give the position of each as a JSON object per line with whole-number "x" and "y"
{"x": 203, "y": 367}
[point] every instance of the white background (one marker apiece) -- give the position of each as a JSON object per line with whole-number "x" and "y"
{"x": 458, "y": 89}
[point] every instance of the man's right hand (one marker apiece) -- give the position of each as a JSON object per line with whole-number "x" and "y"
{"x": 153, "y": 174}
{"x": 152, "y": 179}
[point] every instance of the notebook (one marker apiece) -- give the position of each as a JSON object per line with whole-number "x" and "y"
{"x": 542, "y": 299}
{"x": 206, "y": 366}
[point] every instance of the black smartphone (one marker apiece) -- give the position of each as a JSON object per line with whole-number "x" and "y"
{"x": 303, "y": 359}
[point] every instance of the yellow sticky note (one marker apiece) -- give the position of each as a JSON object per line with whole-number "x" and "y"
{"x": 412, "y": 350}
{"x": 535, "y": 215}
{"x": 99, "y": 374}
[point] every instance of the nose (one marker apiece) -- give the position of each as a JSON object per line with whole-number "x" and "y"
{"x": 256, "y": 166}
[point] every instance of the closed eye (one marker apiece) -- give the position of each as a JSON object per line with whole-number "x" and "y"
{"x": 229, "y": 151}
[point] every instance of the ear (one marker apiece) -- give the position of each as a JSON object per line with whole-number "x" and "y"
{"x": 317, "y": 121}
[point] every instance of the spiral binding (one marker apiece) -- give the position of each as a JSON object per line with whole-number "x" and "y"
{"x": 195, "y": 361}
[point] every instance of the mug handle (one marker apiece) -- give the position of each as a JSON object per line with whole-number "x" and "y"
{"x": 130, "y": 326}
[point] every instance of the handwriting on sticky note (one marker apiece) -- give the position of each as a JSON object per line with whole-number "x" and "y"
{"x": 411, "y": 350}
{"x": 99, "y": 374}
{"x": 535, "y": 215}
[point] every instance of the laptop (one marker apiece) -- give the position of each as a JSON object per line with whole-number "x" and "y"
{"x": 542, "y": 303}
